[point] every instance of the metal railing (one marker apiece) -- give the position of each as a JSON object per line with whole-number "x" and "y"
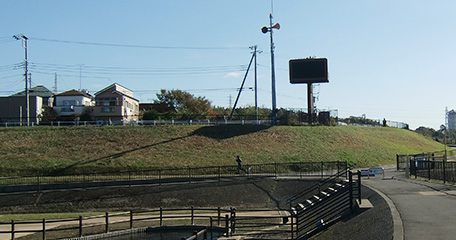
{"x": 436, "y": 170}
{"x": 170, "y": 175}
{"x": 58, "y": 229}
{"x": 326, "y": 208}
{"x": 402, "y": 161}
{"x": 317, "y": 188}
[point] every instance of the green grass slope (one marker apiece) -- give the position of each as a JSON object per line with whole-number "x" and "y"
{"x": 76, "y": 149}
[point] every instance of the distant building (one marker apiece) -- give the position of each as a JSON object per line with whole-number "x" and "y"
{"x": 72, "y": 102}
{"x": 115, "y": 103}
{"x": 13, "y": 109}
{"x": 40, "y": 91}
{"x": 451, "y": 120}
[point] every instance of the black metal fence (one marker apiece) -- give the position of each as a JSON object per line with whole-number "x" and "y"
{"x": 402, "y": 161}
{"x": 326, "y": 208}
{"x": 170, "y": 175}
{"x": 437, "y": 170}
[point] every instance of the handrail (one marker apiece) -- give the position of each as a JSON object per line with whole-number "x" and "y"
{"x": 216, "y": 216}
{"x": 316, "y": 186}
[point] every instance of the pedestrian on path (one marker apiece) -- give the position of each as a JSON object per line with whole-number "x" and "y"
{"x": 239, "y": 163}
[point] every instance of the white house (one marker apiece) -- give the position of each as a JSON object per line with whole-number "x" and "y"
{"x": 72, "y": 102}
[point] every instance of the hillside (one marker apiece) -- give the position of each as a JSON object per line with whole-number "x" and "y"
{"x": 75, "y": 149}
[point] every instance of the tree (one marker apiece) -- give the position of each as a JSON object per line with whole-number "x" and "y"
{"x": 150, "y": 115}
{"x": 184, "y": 104}
{"x": 49, "y": 114}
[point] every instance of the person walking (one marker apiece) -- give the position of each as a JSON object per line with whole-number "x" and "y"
{"x": 239, "y": 163}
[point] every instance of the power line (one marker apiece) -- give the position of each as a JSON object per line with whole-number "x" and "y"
{"x": 135, "y": 46}
{"x": 46, "y": 68}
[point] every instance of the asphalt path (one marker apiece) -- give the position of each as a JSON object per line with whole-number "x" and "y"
{"x": 425, "y": 210}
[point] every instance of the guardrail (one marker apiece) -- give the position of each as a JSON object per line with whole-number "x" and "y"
{"x": 53, "y": 229}
{"x": 140, "y": 122}
{"x": 171, "y": 175}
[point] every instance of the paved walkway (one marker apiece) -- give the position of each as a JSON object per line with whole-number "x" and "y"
{"x": 421, "y": 210}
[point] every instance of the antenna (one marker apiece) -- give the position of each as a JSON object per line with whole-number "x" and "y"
{"x": 272, "y": 6}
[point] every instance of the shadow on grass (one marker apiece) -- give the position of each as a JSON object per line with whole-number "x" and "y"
{"x": 219, "y": 132}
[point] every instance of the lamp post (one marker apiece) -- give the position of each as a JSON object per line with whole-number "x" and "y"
{"x": 27, "y": 103}
{"x": 265, "y": 30}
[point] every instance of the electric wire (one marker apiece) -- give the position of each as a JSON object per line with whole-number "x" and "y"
{"x": 135, "y": 46}
{"x": 46, "y": 68}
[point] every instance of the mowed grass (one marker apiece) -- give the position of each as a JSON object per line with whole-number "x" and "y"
{"x": 67, "y": 150}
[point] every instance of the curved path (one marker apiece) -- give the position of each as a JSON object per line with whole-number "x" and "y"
{"x": 427, "y": 210}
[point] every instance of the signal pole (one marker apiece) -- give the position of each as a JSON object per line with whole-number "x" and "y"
{"x": 27, "y": 103}
{"x": 273, "y": 88}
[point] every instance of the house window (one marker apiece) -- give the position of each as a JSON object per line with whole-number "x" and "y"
{"x": 107, "y": 109}
{"x": 69, "y": 102}
{"x": 107, "y": 101}
{"x": 67, "y": 110}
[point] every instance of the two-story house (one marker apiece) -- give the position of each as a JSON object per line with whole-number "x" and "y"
{"x": 116, "y": 103}
{"x": 72, "y": 102}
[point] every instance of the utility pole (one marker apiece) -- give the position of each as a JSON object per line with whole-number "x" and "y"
{"x": 27, "y": 103}
{"x": 55, "y": 83}
{"x": 256, "y": 84}
{"x": 80, "y": 76}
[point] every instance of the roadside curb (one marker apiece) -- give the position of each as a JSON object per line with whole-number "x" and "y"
{"x": 398, "y": 226}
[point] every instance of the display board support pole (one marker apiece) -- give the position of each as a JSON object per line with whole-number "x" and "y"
{"x": 310, "y": 106}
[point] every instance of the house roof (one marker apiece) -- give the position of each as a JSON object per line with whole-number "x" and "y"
{"x": 39, "y": 90}
{"x": 114, "y": 88}
{"x": 74, "y": 92}
{"x": 114, "y": 85}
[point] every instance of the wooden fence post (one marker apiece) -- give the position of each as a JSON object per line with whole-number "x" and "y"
{"x": 218, "y": 216}
{"x": 131, "y": 219}
{"x": 219, "y": 173}
{"x": 161, "y": 217}
{"x": 192, "y": 216}
{"x": 80, "y": 226}
{"x": 227, "y": 225}
{"x": 350, "y": 189}
{"x": 12, "y": 229}
{"x": 107, "y": 222}
{"x": 44, "y": 229}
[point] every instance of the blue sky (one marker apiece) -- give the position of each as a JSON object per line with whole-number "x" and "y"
{"x": 387, "y": 58}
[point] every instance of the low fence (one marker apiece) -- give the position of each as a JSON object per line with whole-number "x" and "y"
{"x": 82, "y": 226}
{"x": 141, "y": 122}
{"x": 172, "y": 175}
{"x": 436, "y": 170}
{"x": 402, "y": 161}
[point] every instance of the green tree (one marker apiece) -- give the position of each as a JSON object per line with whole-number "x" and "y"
{"x": 49, "y": 114}
{"x": 184, "y": 104}
{"x": 150, "y": 115}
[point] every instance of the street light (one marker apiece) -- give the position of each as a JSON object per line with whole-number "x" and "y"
{"x": 27, "y": 103}
{"x": 265, "y": 30}
{"x": 444, "y": 130}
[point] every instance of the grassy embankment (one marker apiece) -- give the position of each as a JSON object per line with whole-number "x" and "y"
{"x": 73, "y": 149}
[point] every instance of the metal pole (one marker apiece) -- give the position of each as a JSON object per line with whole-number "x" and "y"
{"x": 24, "y": 45}
{"x": 242, "y": 86}
{"x": 310, "y": 107}
{"x": 27, "y": 106}
{"x": 273, "y": 88}
{"x": 256, "y": 92}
